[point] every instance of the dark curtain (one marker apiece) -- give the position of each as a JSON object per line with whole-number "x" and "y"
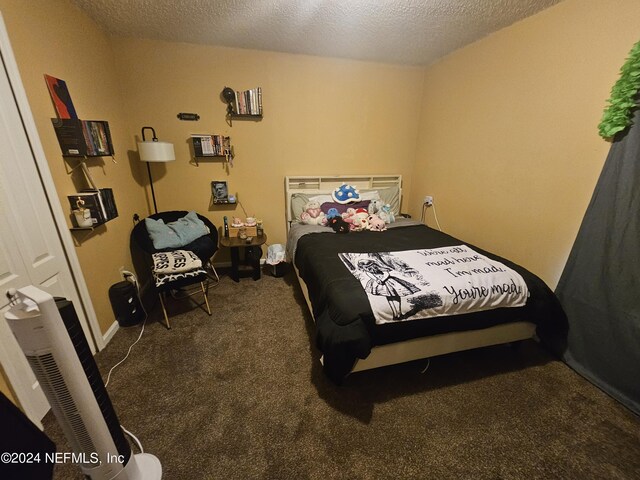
{"x": 600, "y": 286}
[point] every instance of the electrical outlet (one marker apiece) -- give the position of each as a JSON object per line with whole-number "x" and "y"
{"x": 428, "y": 200}
{"x": 121, "y": 270}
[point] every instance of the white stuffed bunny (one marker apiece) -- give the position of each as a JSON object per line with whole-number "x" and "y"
{"x": 312, "y": 214}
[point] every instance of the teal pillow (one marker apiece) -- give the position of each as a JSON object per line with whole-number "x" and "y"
{"x": 175, "y": 234}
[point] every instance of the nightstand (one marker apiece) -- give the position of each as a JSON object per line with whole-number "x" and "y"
{"x": 246, "y": 264}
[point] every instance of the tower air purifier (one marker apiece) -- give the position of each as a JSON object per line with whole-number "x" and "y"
{"x": 51, "y": 337}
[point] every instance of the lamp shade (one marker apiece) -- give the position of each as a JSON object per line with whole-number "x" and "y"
{"x": 156, "y": 151}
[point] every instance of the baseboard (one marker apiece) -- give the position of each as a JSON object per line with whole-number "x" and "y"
{"x": 108, "y": 335}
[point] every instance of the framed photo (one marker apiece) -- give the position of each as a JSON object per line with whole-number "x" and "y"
{"x": 220, "y": 192}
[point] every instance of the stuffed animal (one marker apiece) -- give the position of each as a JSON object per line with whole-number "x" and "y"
{"x": 332, "y": 212}
{"x": 360, "y": 220}
{"x": 357, "y": 219}
{"x": 338, "y": 224}
{"x": 386, "y": 214}
{"x": 375, "y": 206}
{"x": 312, "y": 214}
{"x": 345, "y": 194}
{"x": 349, "y": 217}
{"x": 376, "y": 224}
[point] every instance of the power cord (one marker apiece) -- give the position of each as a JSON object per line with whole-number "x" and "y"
{"x": 424, "y": 370}
{"x": 242, "y": 207}
{"x": 134, "y": 437}
{"x": 128, "y": 352}
{"x": 435, "y": 214}
{"x": 130, "y": 277}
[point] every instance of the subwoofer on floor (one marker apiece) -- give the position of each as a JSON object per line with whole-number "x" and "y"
{"x": 126, "y": 304}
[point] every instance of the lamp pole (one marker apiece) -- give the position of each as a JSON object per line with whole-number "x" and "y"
{"x": 153, "y": 193}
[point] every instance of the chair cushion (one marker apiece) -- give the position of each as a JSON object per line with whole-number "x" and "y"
{"x": 175, "y": 234}
{"x": 176, "y": 261}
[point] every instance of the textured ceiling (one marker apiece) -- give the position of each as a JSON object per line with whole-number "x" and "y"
{"x": 415, "y": 32}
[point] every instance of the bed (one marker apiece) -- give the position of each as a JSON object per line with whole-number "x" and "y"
{"x": 354, "y": 337}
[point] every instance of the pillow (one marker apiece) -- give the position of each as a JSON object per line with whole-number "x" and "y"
{"x": 391, "y": 196}
{"x": 298, "y": 201}
{"x": 370, "y": 195}
{"x": 321, "y": 198}
{"x": 342, "y": 207}
{"x": 175, "y": 234}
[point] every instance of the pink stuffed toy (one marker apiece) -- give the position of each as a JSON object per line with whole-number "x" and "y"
{"x": 360, "y": 219}
{"x": 357, "y": 219}
{"x": 312, "y": 214}
{"x": 349, "y": 217}
{"x": 376, "y": 224}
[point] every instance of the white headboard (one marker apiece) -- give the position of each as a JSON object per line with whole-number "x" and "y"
{"x": 315, "y": 185}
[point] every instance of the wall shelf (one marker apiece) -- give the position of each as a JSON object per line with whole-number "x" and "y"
{"x": 246, "y": 115}
{"x": 83, "y": 138}
{"x": 243, "y": 105}
{"x": 212, "y": 147}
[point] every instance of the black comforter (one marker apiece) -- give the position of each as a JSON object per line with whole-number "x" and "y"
{"x": 345, "y": 325}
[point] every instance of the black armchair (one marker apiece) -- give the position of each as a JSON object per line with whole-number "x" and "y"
{"x": 203, "y": 247}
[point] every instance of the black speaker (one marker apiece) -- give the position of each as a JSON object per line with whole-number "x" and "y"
{"x": 126, "y": 304}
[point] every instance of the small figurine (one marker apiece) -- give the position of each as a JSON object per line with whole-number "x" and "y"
{"x": 237, "y": 223}
{"x": 250, "y": 222}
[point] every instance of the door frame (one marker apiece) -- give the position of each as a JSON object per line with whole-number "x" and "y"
{"x": 28, "y": 125}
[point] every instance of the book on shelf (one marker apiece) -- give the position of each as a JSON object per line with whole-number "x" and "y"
{"x": 249, "y": 102}
{"x": 109, "y": 202}
{"x": 210, "y": 145}
{"x": 83, "y": 137}
{"x": 60, "y": 97}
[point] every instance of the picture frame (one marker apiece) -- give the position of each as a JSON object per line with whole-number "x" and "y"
{"x": 220, "y": 191}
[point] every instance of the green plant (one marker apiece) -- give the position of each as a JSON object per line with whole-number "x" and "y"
{"x": 617, "y": 115}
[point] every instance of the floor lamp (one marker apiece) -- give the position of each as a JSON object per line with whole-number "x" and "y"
{"x": 154, "y": 151}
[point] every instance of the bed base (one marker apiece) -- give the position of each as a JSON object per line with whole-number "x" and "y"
{"x": 426, "y": 347}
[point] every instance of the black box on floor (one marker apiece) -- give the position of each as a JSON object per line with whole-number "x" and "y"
{"x": 126, "y": 304}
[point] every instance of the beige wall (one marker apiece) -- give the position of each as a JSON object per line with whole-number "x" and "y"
{"x": 509, "y": 145}
{"x": 321, "y": 116}
{"x": 57, "y": 39}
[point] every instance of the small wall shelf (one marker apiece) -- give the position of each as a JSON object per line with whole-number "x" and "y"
{"x": 99, "y": 202}
{"x": 246, "y": 115}
{"x": 243, "y": 105}
{"x": 211, "y": 146}
{"x": 83, "y": 138}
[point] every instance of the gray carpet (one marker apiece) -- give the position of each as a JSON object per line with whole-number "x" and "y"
{"x": 240, "y": 395}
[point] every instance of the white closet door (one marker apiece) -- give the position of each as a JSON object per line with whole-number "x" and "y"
{"x": 31, "y": 251}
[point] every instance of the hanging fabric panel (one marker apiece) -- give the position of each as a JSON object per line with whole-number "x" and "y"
{"x": 600, "y": 286}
